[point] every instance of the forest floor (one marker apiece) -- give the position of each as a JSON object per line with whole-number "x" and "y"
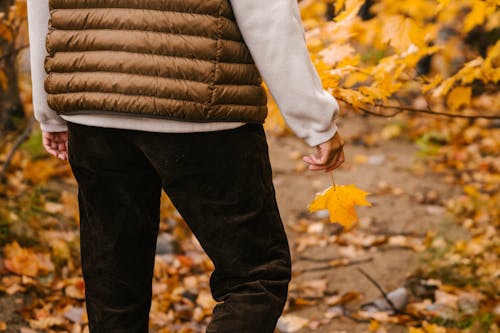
{"x": 408, "y": 204}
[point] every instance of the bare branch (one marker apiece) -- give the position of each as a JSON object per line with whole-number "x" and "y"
{"x": 333, "y": 264}
{"x": 411, "y": 109}
{"x": 382, "y": 291}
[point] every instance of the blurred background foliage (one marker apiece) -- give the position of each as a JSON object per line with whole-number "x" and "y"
{"x": 430, "y": 66}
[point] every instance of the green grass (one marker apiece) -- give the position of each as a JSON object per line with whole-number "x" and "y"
{"x": 34, "y": 146}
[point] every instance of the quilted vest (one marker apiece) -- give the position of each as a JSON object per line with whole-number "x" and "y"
{"x": 173, "y": 59}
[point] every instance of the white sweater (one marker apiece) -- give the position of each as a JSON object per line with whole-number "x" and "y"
{"x": 275, "y": 37}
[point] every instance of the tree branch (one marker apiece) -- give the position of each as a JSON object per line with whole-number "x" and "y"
{"x": 411, "y": 109}
{"x": 384, "y": 294}
{"x": 382, "y": 291}
{"x": 339, "y": 263}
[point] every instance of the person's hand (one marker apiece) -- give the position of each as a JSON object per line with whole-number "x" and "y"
{"x": 328, "y": 156}
{"x": 56, "y": 143}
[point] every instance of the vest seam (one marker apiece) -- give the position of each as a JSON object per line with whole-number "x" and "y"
{"x": 218, "y": 52}
{"x": 153, "y": 31}
{"x": 125, "y": 94}
{"x": 245, "y": 105}
{"x": 154, "y": 96}
{"x": 160, "y": 10}
{"x": 161, "y": 55}
{"x": 158, "y": 76}
{"x": 117, "y": 72}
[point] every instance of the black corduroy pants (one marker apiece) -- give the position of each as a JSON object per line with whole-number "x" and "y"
{"x": 221, "y": 184}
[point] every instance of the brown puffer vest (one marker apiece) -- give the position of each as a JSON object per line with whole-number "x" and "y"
{"x": 173, "y": 59}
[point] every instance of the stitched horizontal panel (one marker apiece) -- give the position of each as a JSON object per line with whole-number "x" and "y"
{"x": 252, "y": 113}
{"x": 239, "y": 95}
{"x": 209, "y": 7}
{"x": 132, "y": 63}
{"x": 65, "y": 103}
{"x": 92, "y": 102}
{"x": 128, "y": 84}
{"x": 231, "y": 73}
{"x": 231, "y": 50}
{"x": 132, "y": 41}
{"x": 146, "y": 20}
{"x": 147, "y": 64}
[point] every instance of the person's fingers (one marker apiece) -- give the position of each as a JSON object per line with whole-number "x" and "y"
{"x": 335, "y": 163}
{"x": 338, "y": 162}
{"x": 61, "y": 154}
{"x": 315, "y": 157}
{"x": 61, "y": 136}
{"x": 334, "y": 166}
{"x": 328, "y": 154}
{"x": 52, "y": 152}
{"x": 46, "y": 139}
{"x": 56, "y": 143}
{"x": 47, "y": 143}
{"x": 325, "y": 156}
{"x": 51, "y": 149}
{"x": 308, "y": 159}
{"x": 316, "y": 165}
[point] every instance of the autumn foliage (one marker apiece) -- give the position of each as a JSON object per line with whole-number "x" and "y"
{"x": 431, "y": 64}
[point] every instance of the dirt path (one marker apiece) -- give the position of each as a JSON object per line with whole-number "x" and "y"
{"x": 390, "y": 167}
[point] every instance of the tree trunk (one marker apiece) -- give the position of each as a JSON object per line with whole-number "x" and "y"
{"x": 11, "y": 106}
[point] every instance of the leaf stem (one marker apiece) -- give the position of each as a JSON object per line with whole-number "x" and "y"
{"x": 333, "y": 181}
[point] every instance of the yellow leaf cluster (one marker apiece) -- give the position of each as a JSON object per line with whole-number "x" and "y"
{"x": 366, "y": 62}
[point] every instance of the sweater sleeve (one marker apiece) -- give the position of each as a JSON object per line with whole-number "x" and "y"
{"x": 275, "y": 37}
{"x": 38, "y": 16}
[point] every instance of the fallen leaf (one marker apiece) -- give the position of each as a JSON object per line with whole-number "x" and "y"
{"x": 24, "y": 261}
{"x": 291, "y": 323}
{"x": 340, "y": 201}
{"x": 45, "y": 323}
{"x": 428, "y": 328}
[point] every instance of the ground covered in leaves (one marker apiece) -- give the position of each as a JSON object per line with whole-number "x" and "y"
{"x": 422, "y": 258}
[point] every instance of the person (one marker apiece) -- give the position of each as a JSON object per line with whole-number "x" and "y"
{"x": 114, "y": 95}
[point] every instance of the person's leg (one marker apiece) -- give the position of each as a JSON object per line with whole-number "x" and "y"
{"x": 119, "y": 200}
{"x": 221, "y": 184}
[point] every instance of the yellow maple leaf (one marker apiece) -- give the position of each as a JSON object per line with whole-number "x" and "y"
{"x": 340, "y": 201}
{"x": 351, "y": 10}
{"x": 400, "y": 32}
{"x": 480, "y": 11}
{"x": 442, "y": 4}
{"x": 353, "y": 97}
{"x": 459, "y": 96}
